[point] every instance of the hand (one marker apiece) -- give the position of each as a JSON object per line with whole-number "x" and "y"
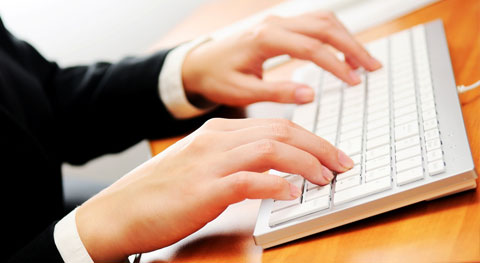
{"x": 180, "y": 190}
{"x": 229, "y": 71}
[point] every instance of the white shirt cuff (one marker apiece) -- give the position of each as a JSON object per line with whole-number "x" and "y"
{"x": 170, "y": 84}
{"x": 68, "y": 240}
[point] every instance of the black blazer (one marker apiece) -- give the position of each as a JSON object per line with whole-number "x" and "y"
{"x": 50, "y": 115}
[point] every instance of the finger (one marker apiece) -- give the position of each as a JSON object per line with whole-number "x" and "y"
{"x": 352, "y": 62}
{"x": 252, "y": 185}
{"x": 263, "y": 155}
{"x": 328, "y": 29}
{"x": 295, "y": 136}
{"x": 284, "y": 92}
{"x": 221, "y": 124}
{"x": 306, "y": 48}
{"x": 248, "y": 130}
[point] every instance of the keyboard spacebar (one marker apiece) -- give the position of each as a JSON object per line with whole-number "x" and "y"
{"x": 362, "y": 190}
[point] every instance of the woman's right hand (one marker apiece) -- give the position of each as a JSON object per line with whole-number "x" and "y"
{"x": 180, "y": 190}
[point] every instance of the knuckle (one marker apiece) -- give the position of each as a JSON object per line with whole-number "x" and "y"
{"x": 281, "y": 131}
{"x": 213, "y": 123}
{"x": 265, "y": 149}
{"x": 286, "y": 122}
{"x": 201, "y": 141}
{"x": 271, "y": 19}
{"x": 310, "y": 48}
{"x": 261, "y": 33}
{"x": 240, "y": 184}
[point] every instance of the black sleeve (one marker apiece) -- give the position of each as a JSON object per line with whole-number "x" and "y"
{"x": 53, "y": 115}
{"x": 103, "y": 107}
{"x": 41, "y": 249}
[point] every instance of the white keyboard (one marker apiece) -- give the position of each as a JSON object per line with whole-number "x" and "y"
{"x": 388, "y": 125}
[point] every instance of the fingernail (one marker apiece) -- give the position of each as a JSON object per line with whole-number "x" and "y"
{"x": 374, "y": 63}
{"x": 303, "y": 94}
{"x": 354, "y": 77}
{"x": 327, "y": 174}
{"x": 344, "y": 160}
{"x": 294, "y": 191}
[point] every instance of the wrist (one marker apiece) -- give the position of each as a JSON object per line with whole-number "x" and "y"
{"x": 192, "y": 73}
{"x": 100, "y": 231}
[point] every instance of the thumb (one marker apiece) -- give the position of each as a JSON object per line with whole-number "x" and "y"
{"x": 279, "y": 91}
{"x": 253, "y": 185}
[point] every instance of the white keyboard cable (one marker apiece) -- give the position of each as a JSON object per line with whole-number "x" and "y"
{"x": 463, "y": 88}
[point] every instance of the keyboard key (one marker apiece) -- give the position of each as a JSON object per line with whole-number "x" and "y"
{"x": 378, "y": 115}
{"x": 363, "y": 190}
{"x": 355, "y": 171}
{"x": 405, "y": 110}
{"x": 296, "y": 180}
{"x": 317, "y": 192}
{"x": 428, "y": 104}
{"x": 436, "y": 167}
{"x": 281, "y": 204}
{"x": 351, "y": 134}
{"x": 378, "y": 173}
{"x": 377, "y": 162}
{"x": 353, "y": 117}
{"x": 409, "y": 176}
{"x": 351, "y": 146}
{"x": 404, "y": 102}
{"x": 347, "y": 183}
{"x": 408, "y": 152}
{"x": 431, "y": 134}
{"x": 309, "y": 185}
{"x": 409, "y": 163}
{"x": 407, "y": 142}
{"x": 378, "y": 123}
{"x": 379, "y": 141}
{"x": 406, "y": 118}
{"x": 430, "y": 124}
{"x": 303, "y": 115}
{"x": 309, "y": 74}
{"x": 377, "y": 152}
{"x": 278, "y": 173}
{"x": 433, "y": 144}
{"x": 326, "y": 129}
{"x": 429, "y": 114}
{"x": 434, "y": 155}
{"x": 356, "y": 159}
{"x": 378, "y": 132}
{"x": 426, "y": 91}
{"x": 406, "y": 130}
{"x": 306, "y": 208}
{"x": 352, "y": 125}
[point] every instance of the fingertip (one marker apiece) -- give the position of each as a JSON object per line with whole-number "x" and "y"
{"x": 294, "y": 192}
{"x": 345, "y": 161}
{"x": 304, "y": 94}
{"x": 327, "y": 174}
{"x": 374, "y": 64}
{"x": 354, "y": 79}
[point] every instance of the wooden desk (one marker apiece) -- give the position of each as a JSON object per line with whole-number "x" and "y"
{"x": 443, "y": 230}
